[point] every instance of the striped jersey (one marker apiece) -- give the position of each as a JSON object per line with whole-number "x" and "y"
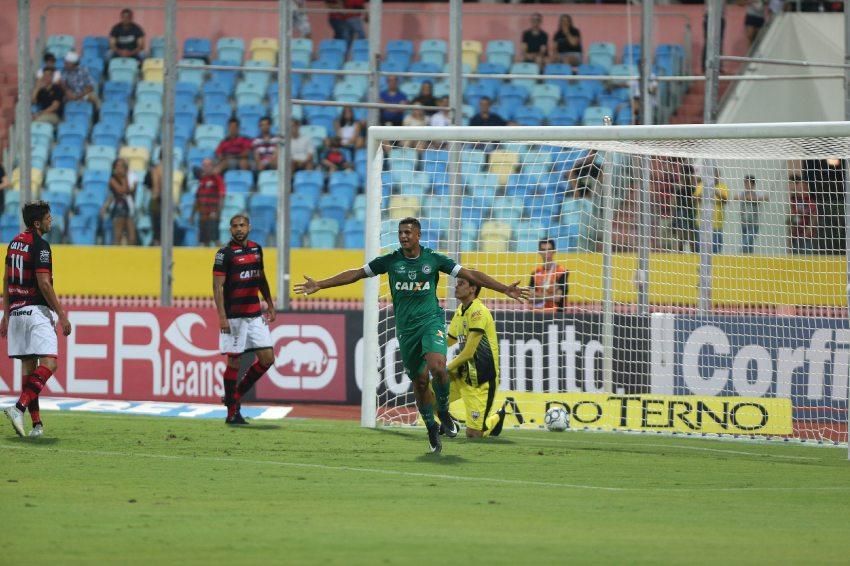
{"x": 242, "y": 268}
{"x": 27, "y": 254}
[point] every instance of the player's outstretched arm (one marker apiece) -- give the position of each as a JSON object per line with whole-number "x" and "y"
{"x": 310, "y": 286}
{"x": 481, "y": 279}
{"x": 218, "y": 298}
{"x": 46, "y": 288}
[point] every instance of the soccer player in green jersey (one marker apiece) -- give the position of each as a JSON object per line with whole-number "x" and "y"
{"x": 413, "y": 273}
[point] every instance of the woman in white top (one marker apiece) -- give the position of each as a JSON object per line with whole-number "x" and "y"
{"x": 348, "y": 129}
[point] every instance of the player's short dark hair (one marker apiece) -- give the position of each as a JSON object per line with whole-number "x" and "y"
{"x": 410, "y": 220}
{"x": 549, "y": 241}
{"x": 232, "y": 120}
{"x": 127, "y": 11}
{"x": 240, "y": 215}
{"x": 35, "y": 211}
{"x": 265, "y": 119}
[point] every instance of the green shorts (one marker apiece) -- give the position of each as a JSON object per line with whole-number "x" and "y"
{"x": 430, "y": 337}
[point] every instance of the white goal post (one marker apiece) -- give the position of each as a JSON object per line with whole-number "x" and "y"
{"x": 698, "y": 285}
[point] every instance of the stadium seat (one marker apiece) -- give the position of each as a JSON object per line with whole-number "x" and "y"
{"x": 57, "y": 177}
{"x": 343, "y": 186}
{"x": 433, "y": 51}
{"x": 100, "y": 157}
{"x": 82, "y": 230}
{"x": 248, "y": 92}
{"x": 323, "y": 233}
{"x": 158, "y": 47}
{"x": 197, "y": 48}
{"x": 123, "y": 69}
{"x": 190, "y": 74}
{"x": 525, "y": 69}
{"x": 360, "y": 50}
{"x": 505, "y": 46}
{"x": 72, "y": 133}
{"x": 140, "y": 135}
{"x": 502, "y": 164}
{"x": 264, "y": 49}
{"x": 332, "y": 49}
{"x": 302, "y": 50}
{"x": 137, "y": 158}
{"x": 60, "y": 202}
{"x": 217, "y": 114}
{"x": 261, "y": 77}
{"x": 59, "y": 45}
{"x": 345, "y": 91}
{"x": 79, "y": 110}
{"x": 545, "y": 97}
{"x": 594, "y": 115}
{"x": 529, "y": 116}
{"x": 41, "y": 133}
{"x": 471, "y": 53}
{"x": 149, "y": 92}
{"x": 225, "y": 79}
{"x": 117, "y": 91}
{"x": 404, "y": 206}
{"x": 268, "y": 182}
{"x": 301, "y": 209}
{"x": 331, "y": 207}
{"x": 353, "y": 234}
{"x": 209, "y": 135}
{"x": 66, "y": 156}
{"x": 92, "y": 46}
{"x": 10, "y": 226}
{"x": 309, "y": 183}
{"x": 631, "y": 54}
{"x": 316, "y": 133}
{"x": 153, "y": 70}
{"x": 238, "y": 181}
{"x": 623, "y": 70}
{"x": 231, "y": 49}
{"x": 263, "y": 212}
{"x": 39, "y": 155}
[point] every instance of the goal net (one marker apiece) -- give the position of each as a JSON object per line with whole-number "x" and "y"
{"x": 685, "y": 279}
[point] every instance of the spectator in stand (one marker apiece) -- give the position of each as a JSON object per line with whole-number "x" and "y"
{"x": 265, "y": 146}
{"x": 825, "y": 179}
{"x": 300, "y": 21}
{"x": 485, "y": 117}
{"x": 234, "y": 151}
{"x": 721, "y": 197}
{"x": 442, "y": 117}
{"x": 77, "y": 81}
{"x": 348, "y": 130}
{"x": 567, "y": 43}
{"x": 754, "y": 18}
{"x": 302, "y": 152}
{"x": 346, "y": 25}
{"x": 802, "y": 217}
{"x": 334, "y": 158}
{"x": 120, "y": 206}
{"x": 684, "y": 210}
{"x": 751, "y": 200}
{"x": 392, "y": 95}
{"x": 48, "y": 97}
{"x": 5, "y": 185}
{"x": 549, "y": 282}
{"x": 208, "y": 203}
{"x": 49, "y": 61}
{"x": 722, "y": 33}
{"x": 535, "y": 42}
{"x": 415, "y": 118}
{"x": 127, "y": 39}
{"x": 426, "y": 96}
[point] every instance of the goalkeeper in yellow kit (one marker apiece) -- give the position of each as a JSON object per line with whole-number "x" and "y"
{"x": 474, "y": 372}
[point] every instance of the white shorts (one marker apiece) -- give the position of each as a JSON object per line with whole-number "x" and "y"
{"x": 246, "y": 334}
{"x": 32, "y": 332}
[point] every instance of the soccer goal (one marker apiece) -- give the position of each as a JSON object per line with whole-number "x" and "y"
{"x": 686, "y": 279}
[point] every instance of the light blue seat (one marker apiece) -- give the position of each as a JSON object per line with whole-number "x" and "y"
{"x": 60, "y": 45}
{"x": 331, "y": 207}
{"x": 158, "y": 47}
{"x": 353, "y": 234}
{"x": 123, "y": 69}
{"x": 209, "y": 135}
{"x": 403, "y": 159}
{"x": 261, "y": 77}
{"x": 230, "y": 49}
{"x": 191, "y": 75}
{"x": 302, "y": 49}
{"x": 332, "y": 49}
{"x": 197, "y": 48}
{"x": 301, "y": 209}
{"x": 343, "y": 186}
{"x": 140, "y": 135}
{"x": 72, "y": 133}
{"x": 323, "y": 233}
{"x": 88, "y": 204}
{"x": 249, "y": 92}
{"x": 268, "y": 183}
{"x": 360, "y": 50}
{"x": 66, "y": 156}
{"x": 433, "y": 51}
{"x": 594, "y": 115}
{"x": 546, "y": 97}
{"x": 79, "y": 108}
{"x": 348, "y": 91}
{"x": 316, "y": 133}
{"x": 263, "y": 212}
{"x": 100, "y": 157}
{"x": 60, "y": 202}
{"x": 57, "y": 177}
{"x": 41, "y": 133}
{"x": 504, "y": 46}
{"x": 524, "y": 68}
{"x": 309, "y": 183}
{"x": 149, "y": 91}
{"x": 148, "y": 112}
{"x": 631, "y": 54}
{"x": 238, "y": 181}
{"x": 39, "y": 155}
{"x": 529, "y": 116}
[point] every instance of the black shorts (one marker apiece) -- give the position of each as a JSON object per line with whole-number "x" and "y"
{"x": 754, "y": 21}
{"x": 208, "y": 230}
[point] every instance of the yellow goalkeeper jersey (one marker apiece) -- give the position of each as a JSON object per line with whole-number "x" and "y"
{"x": 484, "y": 365}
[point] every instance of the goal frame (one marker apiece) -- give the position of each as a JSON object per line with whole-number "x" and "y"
{"x": 379, "y": 134}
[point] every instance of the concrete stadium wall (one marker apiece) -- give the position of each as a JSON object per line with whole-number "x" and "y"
{"x": 414, "y": 21}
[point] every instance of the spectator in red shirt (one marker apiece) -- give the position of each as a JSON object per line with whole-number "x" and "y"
{"x": 234, "y": 151}
{"x": 802, "y": 217}
{"x": 347, "y": 25}
{"x": 208, "y": 203}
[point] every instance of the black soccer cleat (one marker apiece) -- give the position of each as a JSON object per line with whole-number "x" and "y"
{"x": 236, "y": 419}
{"x": 434, "y": 438}
{"x": 452, "y": 429}
{"x": 497, "y": 430}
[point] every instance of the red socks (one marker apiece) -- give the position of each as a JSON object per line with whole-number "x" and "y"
{"x": 33, "y": 385}
{"x": 255, "y": 372}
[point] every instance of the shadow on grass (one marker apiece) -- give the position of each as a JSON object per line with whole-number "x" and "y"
{"x": 442, "y": 459}
{"x": 43, "y": 441}
{"x": 258, "y": 427}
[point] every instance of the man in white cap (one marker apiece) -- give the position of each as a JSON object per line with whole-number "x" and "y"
{"x": 77, "y": 81}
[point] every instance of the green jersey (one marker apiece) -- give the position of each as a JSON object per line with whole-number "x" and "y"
{"x": 413, "y": 284}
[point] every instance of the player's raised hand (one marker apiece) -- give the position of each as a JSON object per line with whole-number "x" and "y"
{"x": 65, "y": 324}
{"x": 514, "y": 291}
{"x": 308, "y": 287}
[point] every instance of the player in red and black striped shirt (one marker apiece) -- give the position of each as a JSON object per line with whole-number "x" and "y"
{"x": 30, "y": 308}
{"x": 238, "y": 277}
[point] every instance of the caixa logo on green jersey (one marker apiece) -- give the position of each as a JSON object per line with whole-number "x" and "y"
{"x": 806, "y": 359}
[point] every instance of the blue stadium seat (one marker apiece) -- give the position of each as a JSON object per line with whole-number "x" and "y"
{"x": 512, "y": 95}
{"x": 82, "y": 230}
{"x": 117, "y": 91}
{"x": 302, "y": 50}
{"x": 529, "y": 116}
{"x": 593, "y": 115}
{"x": 191, "y": 75}
{"x": 61, "y": 180}
{"x": 209, "y": 135}
{"x": 9, "y": 226}
{"x": 94, "y": 65}
{"x": 149, "y": 91}
{"x": 422, "y": 67}
{"x": 41, "y": 133}
{"x": 66, "y": 156}
{"x": 230, "y": 49}
{"x": 249, "y": 119}
{"x": 186, "y": 233}
{"x": 60, "y": 202}
{"x": 72, "y": 133}
{"x": 353, "y": 234}
{"x": 263, "y": 212}
{"x": 114, "y": 111}
{"x": 59, "y": 45}
{"x": 95, "y": 178}
{"x": 546, "y": 97}
{"x": 237, "y": 181}
{"x": 360, "y": 50}
{"x": 323, "y": 233}
{"x": 301, "y": 209}
{"x": 433, "y": 51}
{"x": 217, "y": 114}
{"x": 79, "y": 108}
{"x": 248, "y": 92}
{"x": 123, "y": 69}
{"x": 631, "y": 54}
{"x": 88, "y": 204}
{"x": 197, "y": 154}
{"x": 309, "y": 183}
{"x": 332, "y": 49}
{"x": 331, "y": 207}
{"x": 188, "y": 90}
{"x": 197, "y": 48}
{"x": 140, "y": 135}
{"x": 158, "y": 47}
{"x": 268, "y": 183}
{"x": 343, "y": 185}
{"x": 92, "y": 46}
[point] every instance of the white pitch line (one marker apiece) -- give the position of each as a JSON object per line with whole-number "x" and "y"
{"x": 378, "y": 471}
{"x": 675, "y": 447}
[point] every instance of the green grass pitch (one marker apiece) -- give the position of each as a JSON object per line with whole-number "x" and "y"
{"x": 140, "y": 490}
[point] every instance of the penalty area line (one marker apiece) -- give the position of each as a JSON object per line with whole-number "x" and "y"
{"x": 400, "y": 473}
